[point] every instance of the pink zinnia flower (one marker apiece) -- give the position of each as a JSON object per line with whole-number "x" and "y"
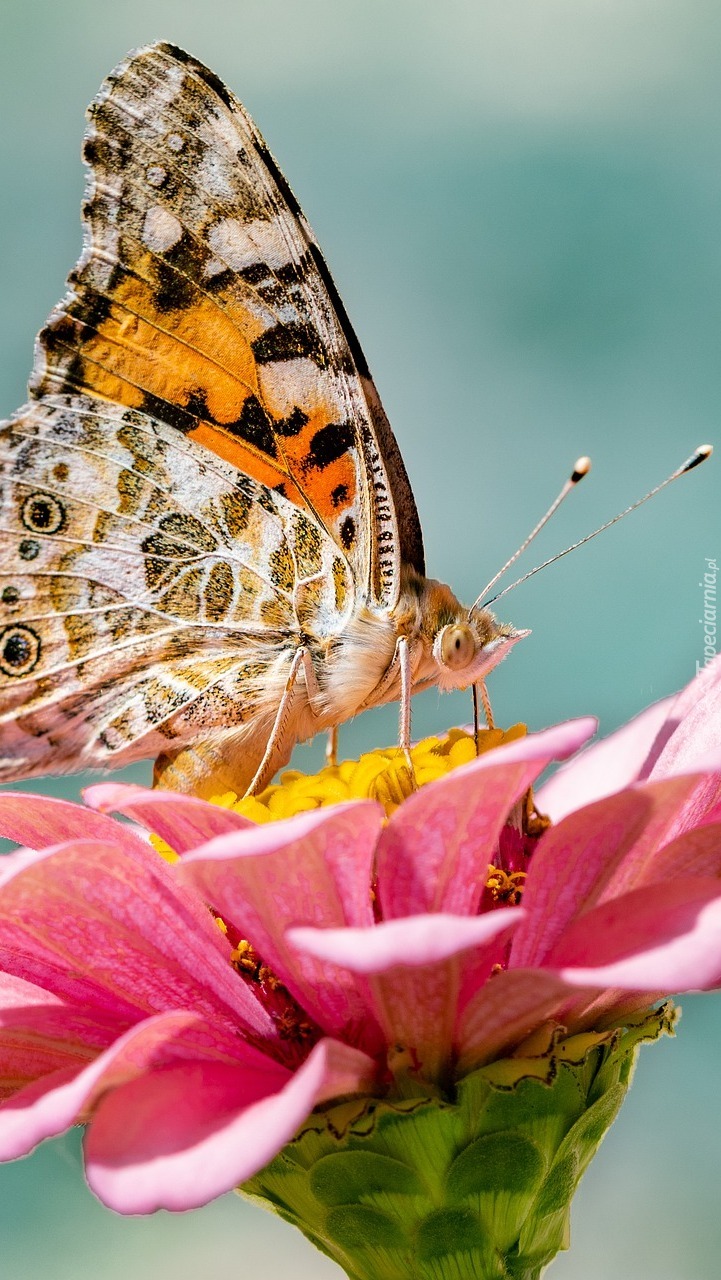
{"x": 344, "y": 956}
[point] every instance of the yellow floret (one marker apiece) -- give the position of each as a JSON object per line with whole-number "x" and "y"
{"x": 381, "y": 775}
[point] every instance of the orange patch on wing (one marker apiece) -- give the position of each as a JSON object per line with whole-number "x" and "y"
{"x": 246, "y": 459}
{"x": 197, "y": 358}
{"x": 340, "y": 474}
{"x": 107, "y": 385}
{"x": 169, "y": 353}
{"x": 321, "y": 483}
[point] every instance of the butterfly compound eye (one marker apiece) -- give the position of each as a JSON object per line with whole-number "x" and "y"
{"x": 455, "y": 646}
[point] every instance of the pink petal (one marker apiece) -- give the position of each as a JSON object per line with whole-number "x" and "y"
{"x": 434, "y": 853}
{"x": 314, "y": 869}
{"x": 13, "y": 862}
{"x": 570, "y": 866}
{"x": 120, "y": 936}
{"x": 40, "y": 1033}
{"x": 662, "y": 938}
{"x": 54, "y": 1102}
{"x": 33, "y": 1020}
{"x": 39, "y": 821}
{"x": 415, "y": 940}
{"x": 182, "y": 821}
{"x": 604, "y": 767}
{"x": 611, "y": 842}
{"x": 418, "y": 973}
{"x": 691, "y": 732}
{"x": 178, "y": 1138}
{"x": 504, "y": 1012}
{"x": 695, "y": 853}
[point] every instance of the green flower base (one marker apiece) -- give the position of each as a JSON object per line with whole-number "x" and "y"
{"x": 477, "y": 1187}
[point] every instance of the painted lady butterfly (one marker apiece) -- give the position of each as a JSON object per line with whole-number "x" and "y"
{"x": 209, "y": 548}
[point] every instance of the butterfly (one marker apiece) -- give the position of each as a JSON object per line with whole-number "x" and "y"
{"x": 209, "y": 546}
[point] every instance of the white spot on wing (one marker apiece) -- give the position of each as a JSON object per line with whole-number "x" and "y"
{"x": 243, "y": 244}
{"x": 213, "y": 267}
{"x": 156, "y": 175}
{"x": 287, "y": 383}
{"x": 161, "y": 229}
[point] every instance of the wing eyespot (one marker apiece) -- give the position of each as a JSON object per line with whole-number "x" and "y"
{"x": 42, "y": 513}
{"x": 19, "y": 650}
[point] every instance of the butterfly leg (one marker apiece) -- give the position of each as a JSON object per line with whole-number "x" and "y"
{"x": 486, "y": 705}
{"x": 331, "y": 747}
{"x": 278, "y": 733}
{"x": 403, "y": 657}
{"x": 476, "y": 688}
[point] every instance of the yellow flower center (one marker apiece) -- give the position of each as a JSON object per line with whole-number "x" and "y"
{"x": 380, "y": 775}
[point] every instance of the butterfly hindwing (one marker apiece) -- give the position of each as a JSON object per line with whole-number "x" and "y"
{"x": 148, "y": 592}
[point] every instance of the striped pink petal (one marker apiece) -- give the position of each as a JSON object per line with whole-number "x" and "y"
{"x": 430, "y": 853}
{"x": 606, "y": 766}
{"x": 181, "y": 1136}
{"x": 182, "y": 821}
{"x": 416, "y": 963}
{"x": 314, "y": 869}
{"x": 662, "y": 938}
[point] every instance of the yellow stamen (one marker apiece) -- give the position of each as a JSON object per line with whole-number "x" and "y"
{"x": 163, "y": 849}
{"x": 504, "y": 886}
{"x": 245, "y": 959}
{"x": 292, "y": 1027}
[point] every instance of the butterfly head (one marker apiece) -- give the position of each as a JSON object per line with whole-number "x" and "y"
{"x": 464, "y": 645}
{"x": 466, "y": 650}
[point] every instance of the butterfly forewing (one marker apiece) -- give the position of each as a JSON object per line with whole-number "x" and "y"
{"x": 203, "y": 299}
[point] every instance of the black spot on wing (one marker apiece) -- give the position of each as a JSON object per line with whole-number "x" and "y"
{"x": 330, "y": 443}
{"x": 339, "y": 495}
{"x": 293, "y": 424}
{"x": 188, "y": 255}
{"x": 176, "y": 417}
{"x": 175, "y": 292}
{"x": 99, "y": 152}
{"x": 43, "y": 513}
{"x": 220, "y": 281}
{"x": 19, "y": 650}
{"x": 254, "y": 426}
{"x": 254, "y": 273}
{"x": 197, "y": 405}
{"x": 289, "y": 342}
{"x": 92, "y": 308}
{"x": 347, "y": 532}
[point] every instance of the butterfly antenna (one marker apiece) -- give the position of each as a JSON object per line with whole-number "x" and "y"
{"x": 581, "y": 468}
{"x": 699, "y": 455}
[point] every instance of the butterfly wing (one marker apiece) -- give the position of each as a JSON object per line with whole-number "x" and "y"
{"x": 149, "y": 593}
{"x": 203, "y": 299}
{"x": 205, "y": 439}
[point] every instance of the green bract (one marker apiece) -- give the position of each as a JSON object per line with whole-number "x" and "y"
{"x": 474, "y": 1187}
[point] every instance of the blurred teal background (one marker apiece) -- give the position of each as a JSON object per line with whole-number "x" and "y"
{"x": 521, "y": 203}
